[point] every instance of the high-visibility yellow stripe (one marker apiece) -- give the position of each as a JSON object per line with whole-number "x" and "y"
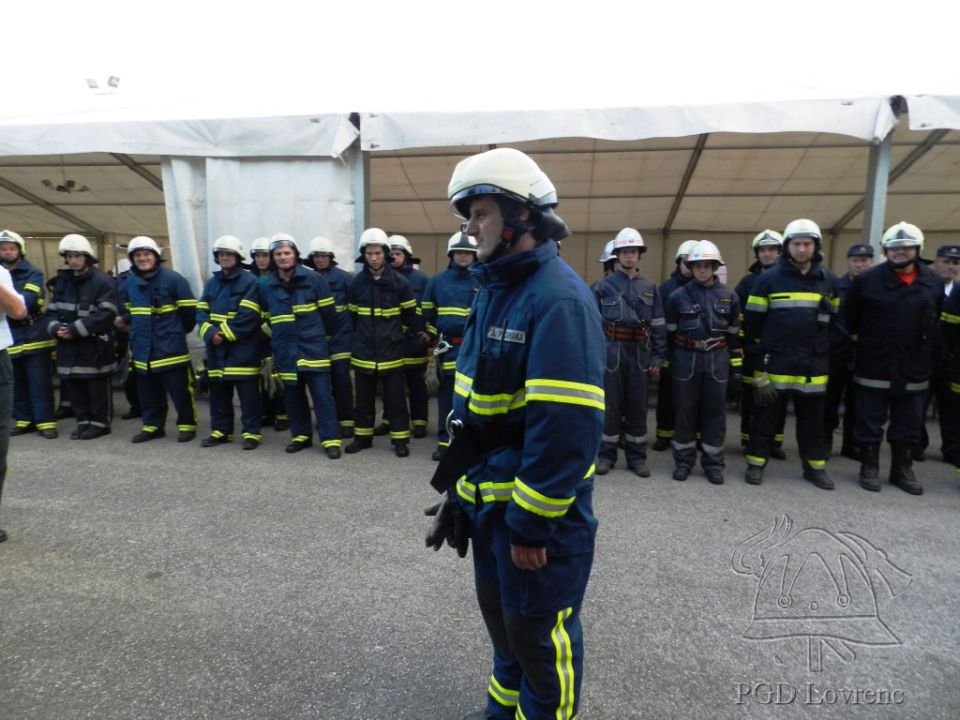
{"x": 250, "y": 305}
{"x": 30, "y": 287}
{"x": 564, "y": 665}
{"x": 274, "y": 319}
{"x": 303, "y": 362}
{"x": 538, "y": 503}
{"x": 564, "y": 391}
{"x": 186, "y": 303}
{"x": 950, "y": 318}
{"x": 458, "y": 311}
{"x": 507, "y": 698}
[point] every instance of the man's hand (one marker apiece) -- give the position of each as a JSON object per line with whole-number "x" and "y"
{"x": 528, "y": 558}
{"x": 424, "y": 338}
{"x": 121, "y": 325}
{"x": 63, "y": 332}
{"x": 217, "y": 338}
{"x": 654, "y": 371}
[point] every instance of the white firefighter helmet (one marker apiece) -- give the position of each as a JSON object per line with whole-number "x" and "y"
{"x": 704, "y": 250}
{"x": 142, "y": 242}
{"x": 628, "y": 238}
{"x": 123, "y": 265}
{"x": 767, "y": 237}
{"x": 12, "y": 237}
{"x": 321, "y": 246}
{"x": 261, "y": 244}
{"x": 903, "y": 234}
{"x": 399, "y": 241}
{"x": 228, "y": 243}
{"x": 76, "y": 243}
{"x": 685, "y": 247}
{"x": 279, "y": 240}
{"x": 501, "y": 171}
{"x": 607, "y": 254}
{"x": 373, "y": 236}
{"x": 802, "y": 228}
{"x": 462, "y": 242}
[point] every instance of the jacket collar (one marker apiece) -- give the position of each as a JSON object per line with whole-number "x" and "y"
{"x": 511, "y": 269}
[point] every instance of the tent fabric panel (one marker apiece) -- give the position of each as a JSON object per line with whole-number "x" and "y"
{"x": 295, "y": 136}
{"x": 868, "y": 118}
{"x": 934, "y": 112}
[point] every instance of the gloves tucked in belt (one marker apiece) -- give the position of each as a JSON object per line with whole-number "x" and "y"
{"x": 450, "y": 524}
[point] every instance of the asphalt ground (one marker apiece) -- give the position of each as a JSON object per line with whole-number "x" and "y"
{"x": 166, "y": 580}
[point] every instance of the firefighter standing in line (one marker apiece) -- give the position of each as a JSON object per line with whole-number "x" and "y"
{"x": 702, "y": 329}
{"x": 159, "y": 309}
{"x": 891, "y": 313}
{"x": 678, "y": 278}
{"x": 384, "y": 311}
{"x": 632, "y": 312}
{"x": 415, "y": 348}
{"x": 946, "y": 265}
{"x": 840, "y": 382}
{"x": 322, "y": 258}
{"x": 446, "y": 305}
{"x": 123, "y": 346}
{"x": 80, "y": 315}
{"x": 300, "y": 315}
{"x": 528, "y": 392}
{"x": 767, "y": 246}
{"x": 229, "y": 317}
{"x": 787, "y": 324}
{"x": 30, "y": 352}
{"x": 11, "y": 307}
{"x": 271, "y": 389}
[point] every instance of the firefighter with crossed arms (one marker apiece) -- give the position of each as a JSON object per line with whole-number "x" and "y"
{"x": 786, "y": 327}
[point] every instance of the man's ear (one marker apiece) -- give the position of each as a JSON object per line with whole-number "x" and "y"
{"x": 524, "y": 214}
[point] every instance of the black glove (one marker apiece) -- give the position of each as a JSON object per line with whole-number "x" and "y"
{"x": 450, "y": 524}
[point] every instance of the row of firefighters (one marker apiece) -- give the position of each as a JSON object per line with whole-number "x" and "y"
{"x": 883, "y": 341}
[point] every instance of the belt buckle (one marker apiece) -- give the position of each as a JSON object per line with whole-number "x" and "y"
{"x": 710, "y": 344}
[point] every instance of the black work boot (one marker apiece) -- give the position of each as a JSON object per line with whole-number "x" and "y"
{"x": 818, "y": 476}
{"x": 358, "y": 444}
{"x": 870, "y": 466}
{"x": 401, "y": 448}
{"x": 661, "y": 444}
{"x": 681, "y": 472}
{"x": 901, "y": 469}
{"x": 754, "y": 474}
{"x": 604, "y": 465}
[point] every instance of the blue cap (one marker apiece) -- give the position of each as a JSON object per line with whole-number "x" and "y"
{"x": 860, "y": 251}
{"x": 951, "y": 251}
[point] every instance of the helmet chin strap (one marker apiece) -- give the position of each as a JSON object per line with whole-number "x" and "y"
{"x": 513, "y": 227}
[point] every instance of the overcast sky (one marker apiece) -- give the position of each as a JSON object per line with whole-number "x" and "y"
{"x": 179, "y": 58}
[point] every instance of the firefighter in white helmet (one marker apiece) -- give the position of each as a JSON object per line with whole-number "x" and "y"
{"x": 703, "y": 329}
{"x": 229, "y": 317}
{"x": 766, "y": 246}
{"x": 32, "y": 347}
{"x": 323, "y": 258}
{"x": 787, "y": 325}
{"x": 632, "y": 311}
{"x": 416, "y": 346}
{"x": 384, "y": 312}
{"x": 529, "y": 404}
{"x": 271, "y": 389}
{"x": 678, "y": 278}
{"x": 892, "y": 312}
{"x": 446, "y": 306}
{"x": 159, "y": 309}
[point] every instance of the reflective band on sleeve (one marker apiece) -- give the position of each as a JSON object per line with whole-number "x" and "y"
{"x": 948, "y": 318}
{"x": 537, "y": 503}
{"x": 756, "y": 303}
{"x": 565, "y": 392}
{"x": 657, "y": 322}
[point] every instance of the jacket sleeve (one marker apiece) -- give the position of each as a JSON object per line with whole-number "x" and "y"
{"x": 186, "y": 304}
{"x": 658, "y": 334}
{"x": 206, "y": 328}
{"x": 33, "y": 293}
{"x": 103, "y": 309}
{"x": 734, "y": 333}
{"x": 851, "y": 308}
{"x": 51, "y": 317}
{"x": 332, "y": 320}
{"x": 429, "y": 308}
{"x": 564, "y": 409}
{"x": 754, "y": 317}
{"x": 410, "y": 314}
{"x": 248, "y": 318}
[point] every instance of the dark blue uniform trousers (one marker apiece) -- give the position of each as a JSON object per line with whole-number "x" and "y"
{"x": 533, "y": 617}
{"x": 700, "y": 397}
{"x": 444, "y": 406}
{"x": 905, "y": 412}
{"x": 153, "y": 389}
{"x": 221, "y": 406}
{"x": 33, "y": 391}
{"x": 342, "y": 392}
{"x": 324, "y": 409}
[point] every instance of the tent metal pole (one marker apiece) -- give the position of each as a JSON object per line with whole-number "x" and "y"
{"x": 361, "y": 194}
{"x": 875, "y": 197}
